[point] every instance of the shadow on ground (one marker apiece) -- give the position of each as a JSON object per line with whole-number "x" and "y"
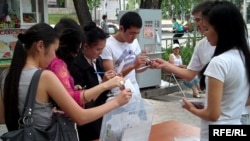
{"x": 167, "y": 94}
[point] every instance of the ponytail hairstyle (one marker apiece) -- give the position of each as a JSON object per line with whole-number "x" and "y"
{"x": 70, "y": 34}
{"x": 93, "y": 34}
{"x": 41, "y": 31}
{"x": 224, "y": 15}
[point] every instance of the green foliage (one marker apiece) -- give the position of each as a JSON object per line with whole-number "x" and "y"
{"x": 173, "y": 8}
{"x": 61, "y": 1}
{"x": 54, "y": 18}
{"x": 186, "y": 54}
{"x": 93, "y": 4}
{"x": 130, "y": 5}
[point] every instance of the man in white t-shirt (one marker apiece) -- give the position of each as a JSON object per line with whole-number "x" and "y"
{"x": 202, "y": 54}
{"x": 122, "y": 50}
{"x": 203, "y": 51}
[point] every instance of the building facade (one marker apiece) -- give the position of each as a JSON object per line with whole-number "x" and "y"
{"x": 112, "y": 7}
{"x": 108, "y": 7}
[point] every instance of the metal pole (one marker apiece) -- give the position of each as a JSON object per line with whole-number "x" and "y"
{"x": 95, "y": 9}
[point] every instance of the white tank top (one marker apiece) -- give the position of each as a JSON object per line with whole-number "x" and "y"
{"x": 177, "y": 60}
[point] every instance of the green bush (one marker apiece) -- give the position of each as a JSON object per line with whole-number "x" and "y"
{"x": 54, "y": 18}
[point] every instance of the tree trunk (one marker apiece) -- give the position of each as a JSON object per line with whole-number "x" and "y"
{"x": 150, "y": 4}
{"x": 82, "y": 11}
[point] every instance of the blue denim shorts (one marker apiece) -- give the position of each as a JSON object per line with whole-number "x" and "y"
{"x": 191, "y": 84}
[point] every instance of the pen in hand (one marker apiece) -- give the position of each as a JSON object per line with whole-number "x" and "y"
{"x": 99, "y": 72}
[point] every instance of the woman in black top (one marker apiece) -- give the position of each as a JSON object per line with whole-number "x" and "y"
{"x": 87, "y": 71}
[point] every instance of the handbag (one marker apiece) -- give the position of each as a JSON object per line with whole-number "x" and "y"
{"x": 61, "y": 128}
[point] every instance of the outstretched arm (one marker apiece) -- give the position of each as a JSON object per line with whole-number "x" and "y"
{"x": 180, "y": 72}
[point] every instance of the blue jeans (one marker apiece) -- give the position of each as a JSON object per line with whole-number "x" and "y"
{"x": 192, "y": 83}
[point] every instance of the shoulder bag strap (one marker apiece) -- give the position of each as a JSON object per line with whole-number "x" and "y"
{"x": 30, "y": 98}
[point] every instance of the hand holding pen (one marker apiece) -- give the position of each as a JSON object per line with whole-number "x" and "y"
{"x": 107, "y": 75}
{"x": 147, "y": 64}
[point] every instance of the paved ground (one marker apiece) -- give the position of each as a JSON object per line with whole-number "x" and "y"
{"x": 168, "y": 107}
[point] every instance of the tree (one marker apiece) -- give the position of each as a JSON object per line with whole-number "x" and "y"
{"x": 170, "y": 8}
{"x": 179, "y": 9}
{"x": 150, "y": 4}
{"x": 82, "y": 11}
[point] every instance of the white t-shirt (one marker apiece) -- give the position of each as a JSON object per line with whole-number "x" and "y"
{"x": 203, "y": 53}
{"x": 123, "y": 54}
{"x": 229, "y": 69}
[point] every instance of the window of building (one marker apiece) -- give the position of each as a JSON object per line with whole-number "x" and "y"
{"x": 56, "y": 3}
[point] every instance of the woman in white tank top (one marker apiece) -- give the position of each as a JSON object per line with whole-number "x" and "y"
{"x": 175, "y": 58}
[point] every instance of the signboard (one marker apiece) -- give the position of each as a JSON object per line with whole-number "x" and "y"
{"x": 8, "y": 38}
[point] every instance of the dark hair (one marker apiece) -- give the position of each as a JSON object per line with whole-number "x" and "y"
{"x": 41, "y": 31}
{"x": 174, "y": 19}
{"x": 70, "y": 34}
{"x": 104, "y": 17}
{"x": 93, "y": 34}
{"x": 198, "y": 8}
{"x": 224, "y": 15}
{"x": 131, "y": 19}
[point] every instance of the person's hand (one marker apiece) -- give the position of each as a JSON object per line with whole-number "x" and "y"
{"x": 189, "y": 106}
{"x": 158, "y": 63}
{"x": 116, "y": 81}
{"x": 108, "y": 75}
{"x": 123, "y": 97}
{"x": 140, "y": 61}
{"x": 77, "y": 87}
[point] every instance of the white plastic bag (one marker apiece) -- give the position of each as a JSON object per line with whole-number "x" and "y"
{"x": 131, "y": 122}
